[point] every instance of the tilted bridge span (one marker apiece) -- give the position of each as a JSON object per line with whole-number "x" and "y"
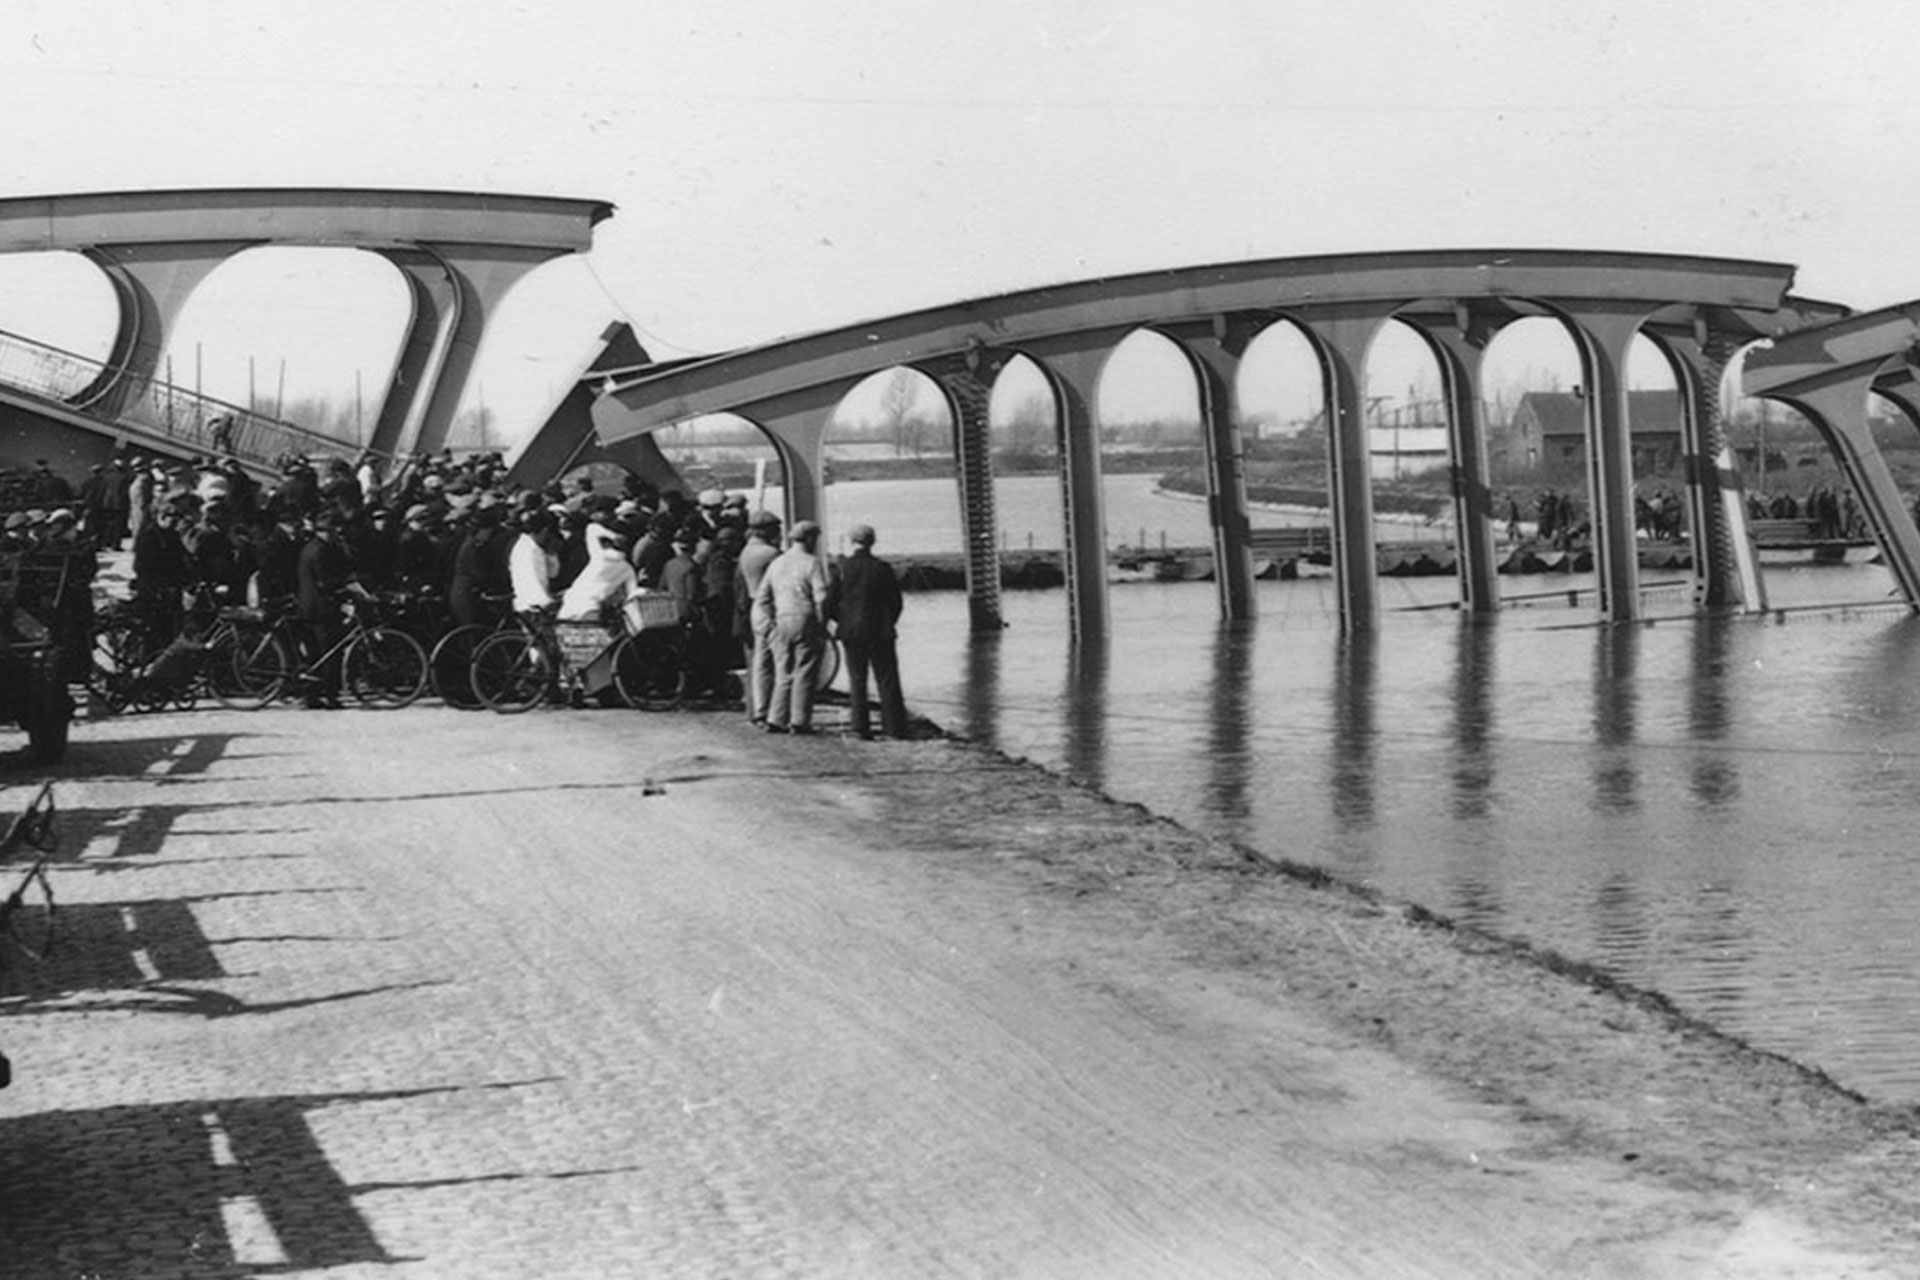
{"x": 1699, "y": 311}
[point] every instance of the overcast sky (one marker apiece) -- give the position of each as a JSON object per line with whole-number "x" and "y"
{"x": 779, "y": 167}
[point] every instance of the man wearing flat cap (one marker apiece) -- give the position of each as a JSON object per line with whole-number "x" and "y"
{"x": 794, "y": 594}
{"x": 865, "y": 611}
{"x": 752, "y": 625}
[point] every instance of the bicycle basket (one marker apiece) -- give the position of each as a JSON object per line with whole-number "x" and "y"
{"x": 651, "y": 612}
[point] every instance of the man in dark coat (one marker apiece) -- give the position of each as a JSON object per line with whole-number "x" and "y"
{"x": 865, "y": 611}
{"x": 323, "y": 575}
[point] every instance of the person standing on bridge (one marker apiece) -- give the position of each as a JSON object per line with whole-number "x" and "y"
{"x": 865, "y": 612}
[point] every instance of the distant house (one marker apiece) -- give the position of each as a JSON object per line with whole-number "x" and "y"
{"x": 1551, "y": 426}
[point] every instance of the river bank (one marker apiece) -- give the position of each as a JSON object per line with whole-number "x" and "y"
{"x": 538, "y": 1001}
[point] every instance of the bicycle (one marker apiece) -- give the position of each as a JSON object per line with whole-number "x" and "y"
{"x": 450, "y": 661}
{"x": 519, "y": 666}
{"x": 383, "y": 667}
{"x": 139, "y": 662}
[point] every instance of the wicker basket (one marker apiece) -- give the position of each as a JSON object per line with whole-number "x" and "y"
{"x": 651, "y": 612}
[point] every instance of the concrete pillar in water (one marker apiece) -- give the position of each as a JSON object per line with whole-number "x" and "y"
{"x": 1603, "y": 332}
{"x": 1725, "y": 570}
{"x": 1341, "y": 337}
{"x": 1461, "y": 349}
{"x": 968, "y": 389}
{"x": 1073, "y": 376}
{"x": 1214, "y": 355}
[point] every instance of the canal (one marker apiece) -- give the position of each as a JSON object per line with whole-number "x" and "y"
{"x": 1719, "y": 810}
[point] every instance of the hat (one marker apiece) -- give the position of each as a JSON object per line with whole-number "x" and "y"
{"x": 419, "y": 511}
{"x": 802, "y": 530}
{"x": 763, "y": 519}
{"x": 861, "y": 535}
{"x": 627, "y": 508}
{"x": 61, "y": 514}
{"x": 711, "y": 497}
{"x": 18, "y": 520}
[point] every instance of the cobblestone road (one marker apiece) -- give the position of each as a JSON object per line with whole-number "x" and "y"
{"x": 587, "y": 994}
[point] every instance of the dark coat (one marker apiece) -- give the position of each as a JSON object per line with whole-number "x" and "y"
{"x": 867, "y": 599}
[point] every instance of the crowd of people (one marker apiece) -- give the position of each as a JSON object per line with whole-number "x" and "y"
{"x": 452, "y": 541}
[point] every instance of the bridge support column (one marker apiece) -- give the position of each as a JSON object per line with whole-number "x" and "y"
{"x": 1072, "y": 376}
{"x": 1461, "y": 350}
{"x": 1215, "y": 359}
{"x": 1603, "y": 333}
{"x": 969, "y": 397}
{"x": 1726, "y": 573}
{"x": 479, "y": 277}
{"x": 433, "y": 310}
{"x": 798, "y": 424}
{"x": 1342, "y": 338}
{"x": 153, "y": 283}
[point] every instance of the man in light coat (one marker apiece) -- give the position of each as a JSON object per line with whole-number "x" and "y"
{"x": 795, "y": 593}
{"x": 755, "y": 629}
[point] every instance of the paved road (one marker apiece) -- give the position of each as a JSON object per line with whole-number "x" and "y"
{"x": 434, "y": 994}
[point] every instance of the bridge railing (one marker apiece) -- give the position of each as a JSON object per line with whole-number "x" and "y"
{"x": 194, "y": 422}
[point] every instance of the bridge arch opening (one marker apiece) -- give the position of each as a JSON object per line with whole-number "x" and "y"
{"x": 1023, "y": 426}
{"x": 1408, "y": 451}
{"x": 1147, "y": 412}
{"x": 307, "y": 335}
{"x": 60, "y": 300}
{"x": 529, "y": 355}
{"x": 722, "y": 451}
{"x": 888, "y": 461}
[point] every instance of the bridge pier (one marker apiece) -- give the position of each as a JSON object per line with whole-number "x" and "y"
{"x": 1604, "y": 332}
{"x": 1460, "y": 349}
{"x": 1342, "y": 336}
{"x": 1725, "y": 571}
{"x": 1072, "y": 375}
{"x": 1214, "y": 355}
{"x": 969, "y": 398}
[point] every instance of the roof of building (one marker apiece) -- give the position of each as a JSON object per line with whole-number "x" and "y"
{"x": 1564, "y": 413}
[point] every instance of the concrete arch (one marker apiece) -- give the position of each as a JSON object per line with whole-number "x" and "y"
{"x": 461, "y": 251}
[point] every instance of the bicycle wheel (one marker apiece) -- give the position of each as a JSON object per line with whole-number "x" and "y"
{"x": 121, "y": 651}
{"x": 646, "y": 669}
{"x": 450, "y": 666}
{"x": 384, "y": 669}
{"x": 247, "y": 665}
{"x": 510, "y": 672}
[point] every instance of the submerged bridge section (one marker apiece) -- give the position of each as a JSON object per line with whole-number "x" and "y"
{"x": 459, "y": 253}
{"x": 1699, "y": 311}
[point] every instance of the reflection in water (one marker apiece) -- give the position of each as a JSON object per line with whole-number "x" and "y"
{"x": 1473, "y": 672}
{"x": 1356, "y": 679}
{"x": 1721, "y": 941}
{"x": 981, "y": 690}
{"x": 1473, "y": 877}
{"x": 1229, "y": 764}
{"x": 1716, "y": 776}
{"x": 1616, "y": 660}
{"x": 1085, "y": 746}
{"x": 1621, "y": 932}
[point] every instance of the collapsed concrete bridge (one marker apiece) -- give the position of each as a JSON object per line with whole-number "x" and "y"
{"x": 1699, "y": 312}
{"x": 460, "y": 253}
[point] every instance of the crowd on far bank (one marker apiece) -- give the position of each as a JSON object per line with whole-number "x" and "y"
{"x": 453, "y": 541}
